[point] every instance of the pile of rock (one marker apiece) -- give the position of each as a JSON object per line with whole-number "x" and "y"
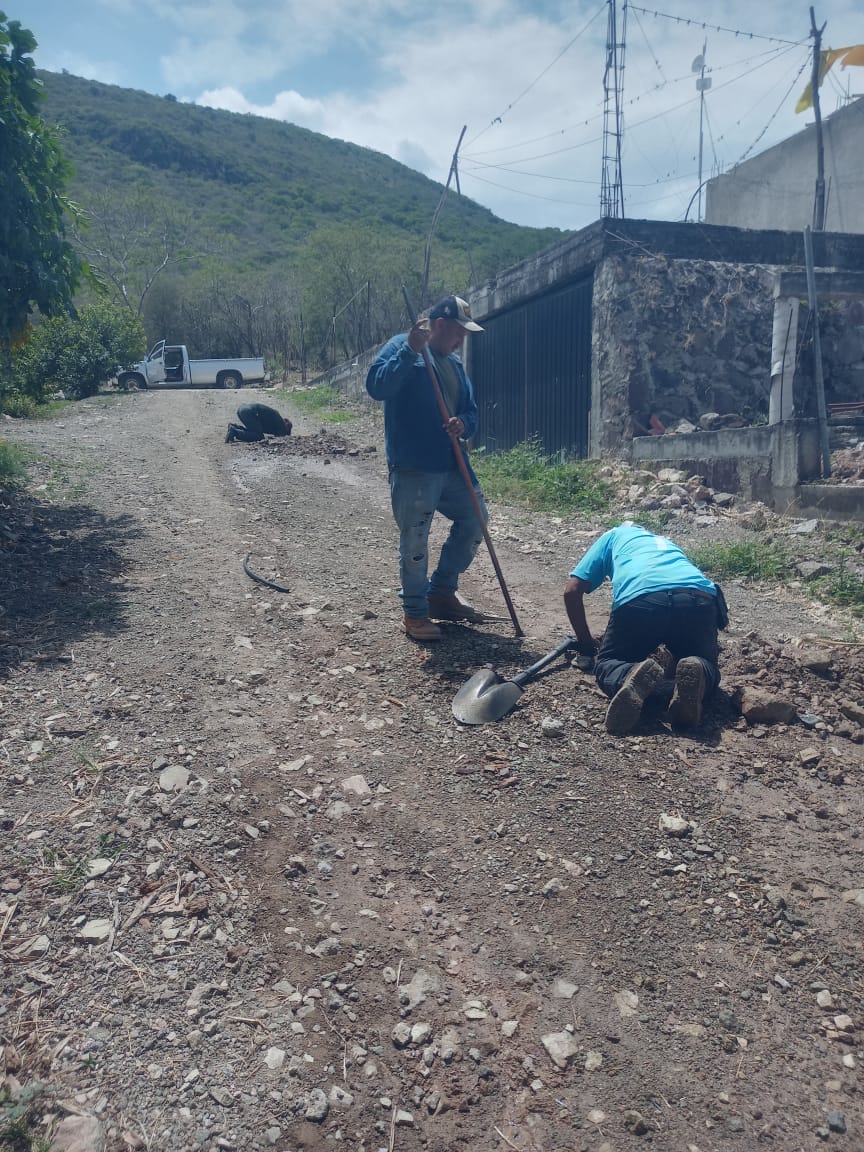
{"x": 709, "y": 422}
{"x": 673, "y": 488}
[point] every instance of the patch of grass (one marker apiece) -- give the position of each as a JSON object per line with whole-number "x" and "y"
{"x": 748, "y": 560}
{"x": 526, "y": 476}
{"x": 13, "y": 461}
{"x": 842, "y": 587}
{"x": 17, "y": 1119}
{"x": 26, "y": 408}
{"x": 325, "y": 403}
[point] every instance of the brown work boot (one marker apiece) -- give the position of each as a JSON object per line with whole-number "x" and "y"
{"x": 625, "y": 707}
{"x": 685, "y": 708}
{"x": 421, "y": 628}
{"x": 448, "y": 606}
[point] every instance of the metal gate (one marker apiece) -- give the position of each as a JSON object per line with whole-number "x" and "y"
{"x": 531, "y": 371}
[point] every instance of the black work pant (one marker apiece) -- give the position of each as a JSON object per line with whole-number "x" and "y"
{"x": 252, "y": 430}
{"x": 683, "y": 619}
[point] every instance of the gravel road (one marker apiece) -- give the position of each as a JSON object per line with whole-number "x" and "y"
{"x": 259, "y": 889}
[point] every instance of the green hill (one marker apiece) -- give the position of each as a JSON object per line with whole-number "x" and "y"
{"x": 264, "y": 200}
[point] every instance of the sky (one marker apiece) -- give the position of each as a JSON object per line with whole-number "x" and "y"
{"x": 524, "y": 77}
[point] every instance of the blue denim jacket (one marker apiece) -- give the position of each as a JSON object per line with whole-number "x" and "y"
{"x": 413, "y": 434}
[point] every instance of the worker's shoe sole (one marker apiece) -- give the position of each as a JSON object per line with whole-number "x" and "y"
{"x": 625, "y": 707}
{"x": 685, "y": 708}
{"x": 229, "y": 436}
{"x": 448, "y": 606}
{"x": 421, "y": 628}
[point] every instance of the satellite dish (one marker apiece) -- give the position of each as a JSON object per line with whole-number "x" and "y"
{"x": 703, "y": 85}
{"x": 698, "y": 64}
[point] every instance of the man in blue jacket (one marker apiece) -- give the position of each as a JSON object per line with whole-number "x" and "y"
{"x": 424, "y": 474}
{"x": 658, "y": 598}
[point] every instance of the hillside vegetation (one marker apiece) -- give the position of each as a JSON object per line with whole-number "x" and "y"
{"x": 264, "y": 217}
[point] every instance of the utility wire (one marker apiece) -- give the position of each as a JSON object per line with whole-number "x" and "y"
{"x": 537, "y": 79}
{"x": 773, "y": 117}
{"x": 703, "y": 24}
{"x": 773, "y": 53}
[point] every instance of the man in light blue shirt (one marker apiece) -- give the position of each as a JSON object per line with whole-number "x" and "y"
{"x": 658, "y": 598}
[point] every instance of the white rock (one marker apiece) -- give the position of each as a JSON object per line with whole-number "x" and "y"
{"x": 843, "y": 1023}
{"x": 78, "y": 1134}
{"x": 404, "y": 1119}
{"x": 356, "y": 786}
{"x": 593, "y": 1061}
{"x": 337, "y": 810}
{"x": 824, "y": 998}
{"x": 275, "y": 1058}
{"x": 673, "y": 825}
{"x": 95, "y": 931}
{"x": 596, "y": 1116}
{"x": 98, "y": 867}
{"x": 561, "y": 1046}
{"x": 339, "y": 1097}
{"x": 420, "y": 1033}
{"x": 420, "y": 985}
{"x": 174, "y": 778}
{"x": 552, "y": 727}
{"x": 508, "y": 1028}
{"x": 626, "y": 1002}
{"x": 402, "y": 1034}
{"x": 563, "y": 989}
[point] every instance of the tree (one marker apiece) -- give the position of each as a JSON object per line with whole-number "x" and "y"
{"x": 130, "y": 238}
{"x": 39, "y": 268}
{"x": 75, "y": 354}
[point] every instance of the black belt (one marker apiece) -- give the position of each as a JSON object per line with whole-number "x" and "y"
{"x": 665, "y": 596}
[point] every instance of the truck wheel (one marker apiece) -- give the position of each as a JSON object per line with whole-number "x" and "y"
{"x": 229, "y": 380}
{"x": 131, "y": 380}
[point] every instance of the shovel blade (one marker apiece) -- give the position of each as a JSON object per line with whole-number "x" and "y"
{"x": 485, "y": 698}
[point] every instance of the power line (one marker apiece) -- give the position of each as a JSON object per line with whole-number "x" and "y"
{"x": 774, "y": 114}
{"x": 537, "y": 79}
{"x": 705, "y": 26}
{"x": 772, "y": 54}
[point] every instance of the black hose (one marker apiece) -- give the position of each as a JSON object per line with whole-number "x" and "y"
{"x": 260, "y": 579}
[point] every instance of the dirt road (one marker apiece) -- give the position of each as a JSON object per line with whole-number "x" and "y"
{"x": 258, "y": 889}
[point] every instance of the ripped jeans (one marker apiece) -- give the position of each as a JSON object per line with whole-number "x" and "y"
{"x": 415, "y": 498}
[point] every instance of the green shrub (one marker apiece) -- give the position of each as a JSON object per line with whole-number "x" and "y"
{"x": 842, "y": 587}
{"x": 749, "y": 560}
{"x": 12, "y": 465}
{"x": 526, "y": 476}
{"x": 75, "y": 354}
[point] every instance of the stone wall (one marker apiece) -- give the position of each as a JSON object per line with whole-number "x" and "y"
{"x": 674, "y": 339}
{"x": 841, "y": 331}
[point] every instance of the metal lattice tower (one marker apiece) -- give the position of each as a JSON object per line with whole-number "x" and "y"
{"x": 611, "y": 181}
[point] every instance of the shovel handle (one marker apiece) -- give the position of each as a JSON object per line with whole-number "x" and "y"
{"x": 565, "y": 646}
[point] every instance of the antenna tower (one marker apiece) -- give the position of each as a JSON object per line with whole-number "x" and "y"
{"x": 611, "y": 182}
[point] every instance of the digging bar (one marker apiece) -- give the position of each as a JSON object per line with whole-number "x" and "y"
{"x": 486, "y": 697}
{"x": 463, "y": 468}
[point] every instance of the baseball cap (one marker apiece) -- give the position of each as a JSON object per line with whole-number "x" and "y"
{"x": 455, "y": 308}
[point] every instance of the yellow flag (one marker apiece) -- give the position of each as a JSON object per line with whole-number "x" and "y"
{"x": 827, "y": 59}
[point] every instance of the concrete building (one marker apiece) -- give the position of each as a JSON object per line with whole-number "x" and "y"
{"x": 776, "y": 188}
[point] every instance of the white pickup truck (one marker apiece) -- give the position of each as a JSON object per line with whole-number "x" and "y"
{"x": 169, "y": 364}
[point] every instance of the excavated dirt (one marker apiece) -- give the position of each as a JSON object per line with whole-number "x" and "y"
{"x": 259, "y": 889}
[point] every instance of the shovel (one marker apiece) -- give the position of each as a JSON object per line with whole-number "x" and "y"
{"x": 486, "y": 697}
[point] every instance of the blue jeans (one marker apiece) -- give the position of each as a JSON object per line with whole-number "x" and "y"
{"x": 415, "y": 498}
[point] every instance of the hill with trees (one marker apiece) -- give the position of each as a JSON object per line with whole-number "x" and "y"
{"x": 240, "y": 235}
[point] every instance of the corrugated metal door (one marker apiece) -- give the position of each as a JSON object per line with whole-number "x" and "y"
{"x": 531, "y": 371}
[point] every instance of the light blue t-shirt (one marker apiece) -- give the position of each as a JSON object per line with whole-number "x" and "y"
{"x": 638, "y": 562}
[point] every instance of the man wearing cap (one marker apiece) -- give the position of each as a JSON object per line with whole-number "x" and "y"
{"x": 658, "y": 598}
{"x": 424, "y": 474}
